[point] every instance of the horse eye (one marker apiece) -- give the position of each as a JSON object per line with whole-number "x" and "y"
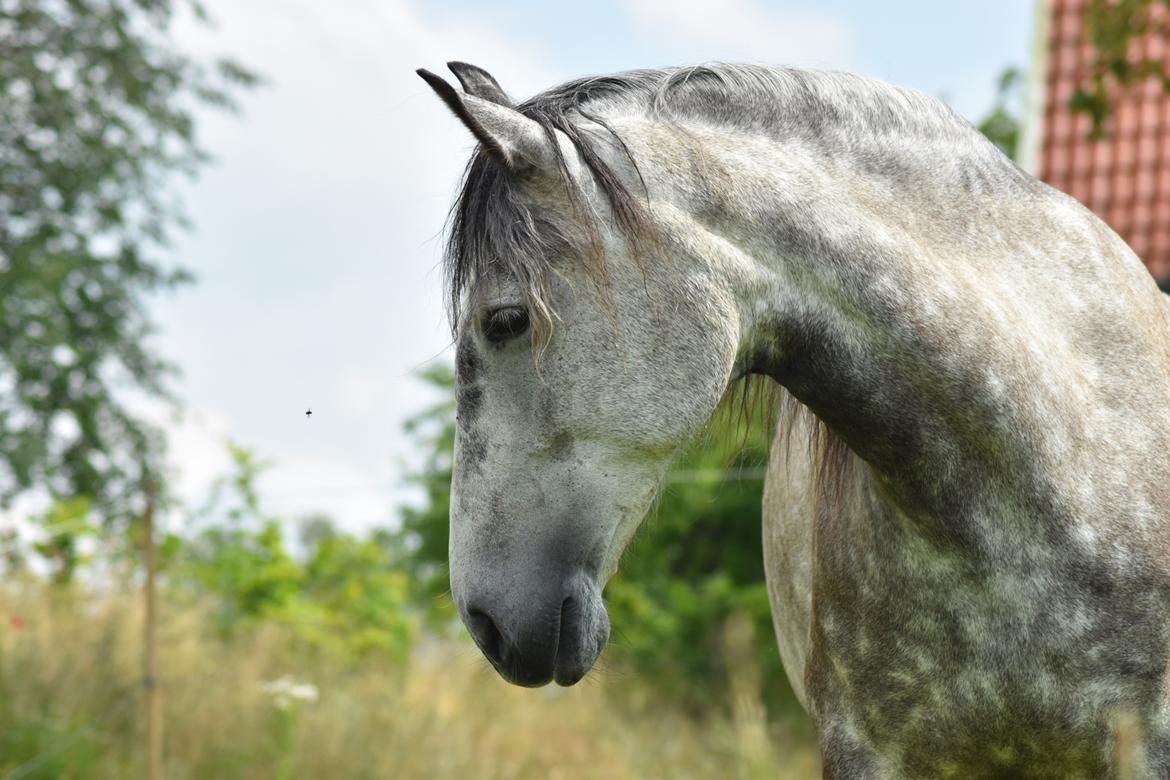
{"x": 504, "y": 324}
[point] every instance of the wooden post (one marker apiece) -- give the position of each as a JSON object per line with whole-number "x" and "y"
{"x": 150, "y": 671}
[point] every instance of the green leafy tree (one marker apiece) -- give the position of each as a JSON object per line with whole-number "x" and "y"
{"x": 341, "y": 593}
{"x": 239, "y": 554}
{"x": 1113, "y": 28}
{"x": 355, "y": 599}
{"x": 697, "y": 561}
{"x": 96, "y": 114}
{"x": 1002, "y": 124}
{"x": 423, "y": 535}
{"x": 64, "y": 525}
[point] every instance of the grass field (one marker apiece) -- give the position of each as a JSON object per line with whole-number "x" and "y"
{"x": 71, "y": 705}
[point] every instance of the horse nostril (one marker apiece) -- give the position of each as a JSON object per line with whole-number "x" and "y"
{"x": 486, "y": 635}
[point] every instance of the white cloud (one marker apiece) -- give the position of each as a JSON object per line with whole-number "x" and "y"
{"x": 315, "y": 246}
{"x": 745, "y": 30}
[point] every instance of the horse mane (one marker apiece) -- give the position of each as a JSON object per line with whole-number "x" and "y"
{"x": 492, "y": 224}
{"x": 493, "y": 227}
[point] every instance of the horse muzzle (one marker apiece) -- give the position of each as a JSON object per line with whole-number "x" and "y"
{"x": 532, "y": 637}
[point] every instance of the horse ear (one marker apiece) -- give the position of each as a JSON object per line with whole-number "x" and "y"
{"x": 477, "y": 81}
{"x": 512, "y": 138}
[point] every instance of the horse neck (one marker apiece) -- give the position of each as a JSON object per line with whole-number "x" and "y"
{"x": 918, "y": 299}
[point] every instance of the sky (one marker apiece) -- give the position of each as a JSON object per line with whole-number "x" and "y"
{"x": 318, "y": 228}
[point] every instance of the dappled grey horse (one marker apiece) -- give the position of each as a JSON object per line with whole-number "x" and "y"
{"x": 967, "y": 506}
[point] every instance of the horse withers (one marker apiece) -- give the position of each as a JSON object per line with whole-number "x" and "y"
{"x": 969, "y": 565}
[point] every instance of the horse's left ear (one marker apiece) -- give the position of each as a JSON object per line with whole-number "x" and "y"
{"x": 512, "y": 138}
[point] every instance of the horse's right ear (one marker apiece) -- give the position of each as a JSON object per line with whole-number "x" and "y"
{"x": 477, "y": 81}
{"x": 507, "y": 135}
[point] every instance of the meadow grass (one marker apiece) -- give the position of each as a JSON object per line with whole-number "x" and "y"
{"x": 71, "y": 704}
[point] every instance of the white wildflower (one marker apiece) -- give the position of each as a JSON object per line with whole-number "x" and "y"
{"x": 285, "y": 690}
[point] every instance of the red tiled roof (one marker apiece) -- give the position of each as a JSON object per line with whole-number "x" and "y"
{"x": 1125, "y": 177}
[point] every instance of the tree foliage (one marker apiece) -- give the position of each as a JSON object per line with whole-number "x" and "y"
{"x": 340, "y": 593}
{"x": 65, "y": 525}
{"x": 1115, "y": 29}
{"x": 1002, "y": 125}
{"x": 423, "y": 534}
{"x": 697, "y": 563}
{"x": 96, "y": 113}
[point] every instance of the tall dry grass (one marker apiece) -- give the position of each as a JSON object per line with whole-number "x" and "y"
{"x": 71, "y": 700}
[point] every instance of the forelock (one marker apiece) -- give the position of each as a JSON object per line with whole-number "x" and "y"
{"x": 495, "y": 227}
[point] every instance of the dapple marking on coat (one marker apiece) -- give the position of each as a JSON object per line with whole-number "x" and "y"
{"x": 984, "y": 592}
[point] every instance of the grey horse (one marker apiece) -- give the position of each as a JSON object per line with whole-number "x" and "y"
{"x": 967, "y": 504}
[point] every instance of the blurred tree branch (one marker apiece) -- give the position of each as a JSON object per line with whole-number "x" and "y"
{"x": 1003, "y": 124}
{"x": 97, "y": 112}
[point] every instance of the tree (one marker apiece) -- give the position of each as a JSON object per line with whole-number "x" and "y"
{"x": 1002, "y": 124}
{"x": 423, "y": 534}
{"x": 96, "y": 116}
{"x": 341, "y": 594}
{"x": 697, "y": 563}
{"x": 65, "y": 525}
{"x": 1113, "y": 27}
